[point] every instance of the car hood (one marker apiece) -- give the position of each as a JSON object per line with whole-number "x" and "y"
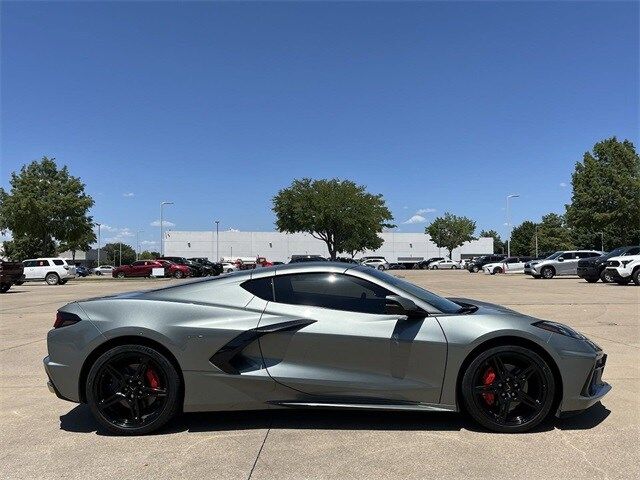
{"x": 484, "y": 307}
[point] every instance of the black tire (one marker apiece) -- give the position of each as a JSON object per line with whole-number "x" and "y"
{"x": 475, "y": 269}
{"x": 178, "y": 274}
{"x": 623, "y": 281}
{"x": 434, "y": 267}
{"x": 52, "y": 278}
{"x": 496, "y": 270}
{"x": 98, "y": 273}
{"x": 591, "y": 279}
{"x": 112, "y": 379}
{"x": 4, "y": 287}
{"x": 524, "y": 391}
{"x": 19, "y": 283}
{"x": 537, "y": 277}
{"x": 606, "y": 277}
{"x": 63, "y": 282}
{"x": 547, "y": 273}
{"x": 635, "y": 276}
{"x": 120, "y": 275}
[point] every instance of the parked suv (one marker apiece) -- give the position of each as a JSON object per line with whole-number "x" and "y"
{"x": 624, "y": 269}
{"x": 140, "y": 268}
{"x": 54, "y": 271}
{"x": 561, "y": 263}
{"x": 592, "y": 269}
{"x": 477, "y": 264}
{"x": 212, "y": 268}
{"x": 10, "y": 273}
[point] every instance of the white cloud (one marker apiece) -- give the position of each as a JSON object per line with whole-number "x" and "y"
{"x": 563, "y": 184}
{"x": 424, "y": 211}
{"x": 233, "y": 230}
{"x": 405, "y": 207}
{"x": 125, "y": 232}
{"x": 416, "y": 219}
{"x": 165, "y": 223}
{"x": 129, "y": 194}
{"x": 148, "y": 242}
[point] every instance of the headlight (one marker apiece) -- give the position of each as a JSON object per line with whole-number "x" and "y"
{"x": 558, "y": 328}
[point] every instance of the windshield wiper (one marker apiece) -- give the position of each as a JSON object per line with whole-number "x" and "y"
{"x": 468, "y": 308}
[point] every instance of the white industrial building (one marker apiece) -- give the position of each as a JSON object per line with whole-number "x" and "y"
{"x": 276, "y": 246}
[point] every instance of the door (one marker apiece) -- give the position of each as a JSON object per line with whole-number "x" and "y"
{"x": 569, "y": 265}
{"x": 29, "y": 269}
{"x": 40, "y": 269}
{"x": 344, "y": 347}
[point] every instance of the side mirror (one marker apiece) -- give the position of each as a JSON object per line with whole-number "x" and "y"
{"x": 397, "y": 305}
{"x": 561, "y": 259}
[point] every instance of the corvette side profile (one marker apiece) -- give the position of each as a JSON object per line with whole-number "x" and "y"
{"x": 315, "y": 335}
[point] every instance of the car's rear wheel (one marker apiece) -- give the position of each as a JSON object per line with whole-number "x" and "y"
{"x": 623, "y": 281}
{"x": 4, "y": 287}
{"x": 547, "y": 273}
{"x": 133, "y": 390}
{"x": 591, "y": 279}
{"x": 52, "y": 278}
{"x": 508, "y": 389}
{"x": 496, "y": 270}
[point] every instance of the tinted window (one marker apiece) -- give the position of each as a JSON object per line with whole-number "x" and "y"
{"x": 586, "y": 254}
{"x": 29, "y": 263}
{"x": 568, "y": 255}
{"x": 633, "y": 251}
{"x": 137, "y": 264}
{"x": 260, "y": 287}
{"x": 58, "y": 262}
{"x": 330, "y": 290}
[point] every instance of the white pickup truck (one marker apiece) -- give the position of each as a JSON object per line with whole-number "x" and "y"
{"x": 624, "y": 269}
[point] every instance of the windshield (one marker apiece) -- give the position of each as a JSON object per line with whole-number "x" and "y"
{"x": 614, "y": 253}
{"x": 554, "y": 255}
{"x": 442, "y": 304}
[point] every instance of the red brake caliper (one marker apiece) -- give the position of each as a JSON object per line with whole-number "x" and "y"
{"x": 487, "y": 379}
{"x": 152, "y": 378}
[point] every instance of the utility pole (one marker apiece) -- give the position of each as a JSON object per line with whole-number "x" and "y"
{"x": 536, "y": 236}
{"x": 601, "y": 240}
{"x": 217, "y": 241}
{"x": 162, "y": 204}
{"x": 99, "y": 225}
{"x": 120, "y": 261}
{"x": 513, "y": 195}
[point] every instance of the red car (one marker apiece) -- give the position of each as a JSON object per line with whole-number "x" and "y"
{"x": 141, "y": 268}
{"x": 176, "y": 270}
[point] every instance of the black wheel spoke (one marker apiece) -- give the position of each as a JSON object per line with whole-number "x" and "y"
{"x": 504, "y": 410}
{"x": 112, "y": 400}
{"x": 491, "y": 388}
{"x": 498, "y": 366}
{"x": 153, "y": 392}
{"x": 525, "y": 373}
{"x": 115, "y": 374}
{"x": 529, "y": 400}
{"x": 141, "y": 370}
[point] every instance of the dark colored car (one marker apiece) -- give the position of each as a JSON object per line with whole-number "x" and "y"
{"x": 306, "y": 258}
{"x": 480, "y": 262}
{"x": 425, "y": 263}
{"x": 140, "y": 268}
{"x": 594, "y": 269}
{"x": 397, "y": 266}
{"x": 212, "y": 268}
{"x": 346, "y": 260}
{"x": 10, "y": 273}
{"x": 82, "y": 271}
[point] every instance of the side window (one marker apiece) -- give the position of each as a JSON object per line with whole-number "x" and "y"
{"x": 30, "y": 263}
{"x": 42, "y": 263}
{"x": 512, "y": 260}
{"x": 58, "y": 262}
{"x": 330, "y": 290}
{"x": 568, "y": 255}
{"x": 260, "y": 287}
{"x": 137, "y": 264}
{"x": 633, "y": 251}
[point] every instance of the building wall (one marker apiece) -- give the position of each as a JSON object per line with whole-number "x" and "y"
{"x": 278, "y": 246}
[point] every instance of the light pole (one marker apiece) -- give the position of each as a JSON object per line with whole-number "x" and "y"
{"x": 536, "y": 237}
{"x": 217, "y": 240}
{"x": 138, "y": 244}
{"x": 601, "y": 240}
{"x": 120, "y": 260}
{"x": 99, "y": 225}
{"x": 162, "y": 204}
{"x": 509, "y": 197}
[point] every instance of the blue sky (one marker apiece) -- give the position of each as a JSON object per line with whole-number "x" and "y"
{"x": 216, "y": 106}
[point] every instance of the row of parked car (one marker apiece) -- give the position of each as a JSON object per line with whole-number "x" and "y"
{"x": 621, "y": 265}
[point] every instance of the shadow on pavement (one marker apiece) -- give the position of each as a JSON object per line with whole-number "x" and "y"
{"x": 81, "y": 420}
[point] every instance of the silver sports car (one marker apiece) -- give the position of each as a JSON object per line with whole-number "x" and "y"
{"x": 321, "y": 335}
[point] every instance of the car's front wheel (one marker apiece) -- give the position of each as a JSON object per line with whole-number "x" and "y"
{"x": 133, "y": 390}
{"x": 606, "y": 277}
{"x": 178, "y": 274}
{"x": 547, "y": 273}
{"x": 120, "y": 275}
{"x": 635, "y": 276}
{"x": 508, "y": 389}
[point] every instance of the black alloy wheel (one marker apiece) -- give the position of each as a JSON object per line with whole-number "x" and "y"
{"x": 508, "y": 389}
{"x": 132, "y": 390}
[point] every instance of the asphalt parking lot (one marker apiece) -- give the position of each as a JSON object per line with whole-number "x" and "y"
{"x": 43, "y": 437}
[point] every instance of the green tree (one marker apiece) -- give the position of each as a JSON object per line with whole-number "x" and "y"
{"x": 22, "y": 247}
{"x": 110, "y": 253}
{"x": 340, "y": 213}
{"x": 147, "y": 255}
{"x": 523, "y": 239}
{"x": 80, "y": 239}
{"x": 553, "y": 234}
{"x": 498, "y": 245}
{"x": 451, "y": 231}
{"x": 606, "y": 196}
{"x": 45, "y": 205}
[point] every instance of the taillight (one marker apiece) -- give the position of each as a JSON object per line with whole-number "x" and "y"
{"x": 64, "y": 319}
